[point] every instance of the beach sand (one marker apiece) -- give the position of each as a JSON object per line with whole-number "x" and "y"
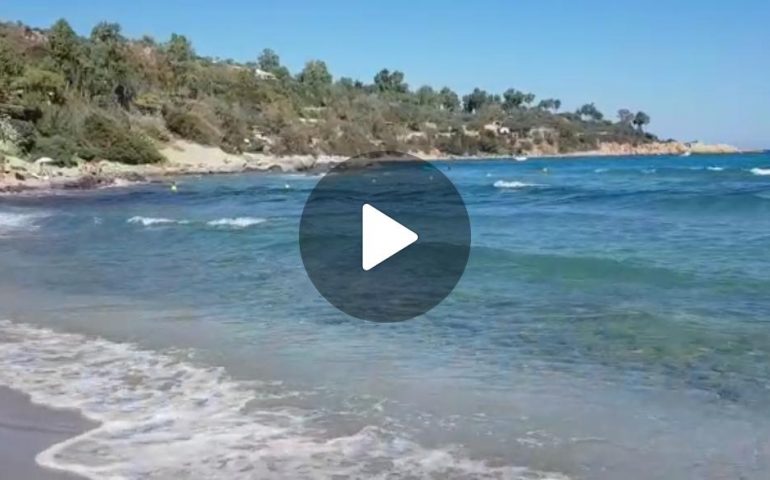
{"x": 27, "y": 429}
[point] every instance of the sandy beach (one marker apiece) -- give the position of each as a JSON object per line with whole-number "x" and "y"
{"x": 182, "y": 158}
{"x": 27, "y": 429}
{"x": 188, "y": 158}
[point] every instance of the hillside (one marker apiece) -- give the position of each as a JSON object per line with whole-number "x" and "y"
{"x": 108, "y": 97}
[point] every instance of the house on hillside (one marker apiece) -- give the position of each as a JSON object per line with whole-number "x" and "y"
{"x": 497, "y": 128}
{"x": 263, "y": 75}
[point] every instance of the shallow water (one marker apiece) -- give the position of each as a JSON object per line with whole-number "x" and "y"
{"x": 613, "y": 322}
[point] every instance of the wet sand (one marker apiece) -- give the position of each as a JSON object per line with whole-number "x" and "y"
{"x": 27, "y": 429}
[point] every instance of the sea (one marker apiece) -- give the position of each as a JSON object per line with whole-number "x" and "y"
{"x": 613, "y": 322}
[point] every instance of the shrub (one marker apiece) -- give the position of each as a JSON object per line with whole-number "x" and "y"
{"x": 488, "y": 143}
{"x": 234, "y": 130}
{"x": 191, "y": 126}
{"x": 152, "y": 126}
{"x": 61, "y": 149}
{"x": 17, "y": 135}
{"x": 293, "y": 140}
{"x": 111, "y": 142}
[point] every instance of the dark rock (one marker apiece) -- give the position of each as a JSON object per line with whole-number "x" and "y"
{"x": 87, "y": 182}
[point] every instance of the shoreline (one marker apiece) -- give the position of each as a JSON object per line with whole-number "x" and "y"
{"x": 28, "y": 429}
{"x": 185, "y": 158}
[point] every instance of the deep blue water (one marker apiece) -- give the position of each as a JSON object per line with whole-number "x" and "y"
{"x": 613, "y": 322}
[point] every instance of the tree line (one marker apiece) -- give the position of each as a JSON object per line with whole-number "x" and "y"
{"x": 108, "y": 96}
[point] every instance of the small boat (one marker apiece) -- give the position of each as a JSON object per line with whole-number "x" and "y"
{"x": 520, "y": 158}
{"x": 686, "y": 154}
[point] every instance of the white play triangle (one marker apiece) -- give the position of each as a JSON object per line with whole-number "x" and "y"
{"x": 382, "y": 237}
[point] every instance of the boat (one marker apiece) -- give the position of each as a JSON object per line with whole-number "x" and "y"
{"x": 520, "y": 158}
{"x": 686, "y": 154}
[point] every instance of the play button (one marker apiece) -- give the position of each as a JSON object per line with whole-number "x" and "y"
{"x": 381, "y": 237}
{"x": 384, "y": 237}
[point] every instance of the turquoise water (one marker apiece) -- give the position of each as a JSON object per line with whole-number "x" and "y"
{"x": 613, "y": 322}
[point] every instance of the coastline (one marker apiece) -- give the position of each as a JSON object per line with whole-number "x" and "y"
{"x": 28, "y": 429}
{"x": 188, "y": 158}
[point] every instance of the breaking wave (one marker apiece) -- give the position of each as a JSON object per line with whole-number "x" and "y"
{"x": 513, "y": 184}
{"x": 760, "y": 171}
{"x": 149, "y": 221}
{"x": 232, "y": 223}
{"x": 238, "y": 222}
{"x": 12, "y": 221}
{"x": 161, "y": 416}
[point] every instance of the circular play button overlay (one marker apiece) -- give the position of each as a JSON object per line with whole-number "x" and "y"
{"x": 385, "y": 237}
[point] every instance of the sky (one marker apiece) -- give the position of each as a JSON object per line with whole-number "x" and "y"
{"x": 699, "y": 68}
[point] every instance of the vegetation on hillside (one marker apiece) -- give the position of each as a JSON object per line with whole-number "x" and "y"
{"x": 109, "y": 97}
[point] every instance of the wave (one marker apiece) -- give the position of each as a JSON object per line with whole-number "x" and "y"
{"x": 11, "y": 221}
{"x": 149, "y": 221}
{"x": 760, "y": 171}
{"x": 715, "y": 169}
{"x": 162, "y": 416}
{"x": 237, "y": 222}
{"x": 513, "y": 184}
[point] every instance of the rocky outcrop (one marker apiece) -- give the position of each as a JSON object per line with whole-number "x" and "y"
{"x": 661, "y": 148}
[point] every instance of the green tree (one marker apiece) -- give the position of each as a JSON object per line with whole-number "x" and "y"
{"x": 388, "y": 82}
{"x": 625, "y": 117}
{"x": 426, "y": 96}
{"x": 269, "y": 61}
{"x": 180, "y": 54}
{"x": 65, "y": 49}
{"x": 317, "y": 80}
{"x": 315, "y": 74}
{"x": 590, "y": 112}
{"x": 473, "y": 102}
{"x": 550, "y": 104}
{"x": 529, "y": 98}
{"x": 514, "y": 99}
{"x": 108, "y": 69}
{"x": 448, "y": 99}
{"x": 640, "y": 120}
{"x": 11, "y": 67}
{"x": 106, "y": 32}
{"x": 41, "y": 86}
{"x": 346, "y": 83}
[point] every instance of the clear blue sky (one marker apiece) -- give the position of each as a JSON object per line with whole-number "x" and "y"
{"x": 700, "y": 68}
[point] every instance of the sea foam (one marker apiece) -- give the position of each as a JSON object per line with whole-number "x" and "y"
{"x": 237, "y": 222}
{"x": 513, "y": 184}
{"x": 150, "y": 221}
{"x": 232, "y": 223}
{"x": 162, "y": 416}
{"x": 12, "y": 221}
{"x": 760, "y": 171}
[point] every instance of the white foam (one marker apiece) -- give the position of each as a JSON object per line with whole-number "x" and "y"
{"x": 760, "y": 171}
{"x": 715, "y": 169}
{"x": 513, "y": 184}
{"x": 601, "y": 170}
{"x": 164, "y": 417}
{"x": 237, "y": 222}
{"x": 11, "y": 221}
{"x": 150, "y": 221}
